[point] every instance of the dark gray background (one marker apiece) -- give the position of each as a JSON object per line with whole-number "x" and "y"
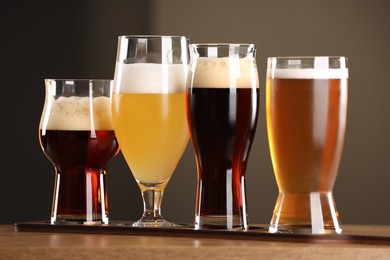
{"x": 78, "y": 39}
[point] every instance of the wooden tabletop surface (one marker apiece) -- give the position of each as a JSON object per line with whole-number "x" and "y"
{"x": 52, "y": 245}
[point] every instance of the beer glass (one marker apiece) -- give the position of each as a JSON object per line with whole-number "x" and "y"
{"x": 77, "y": 136}
{"x": 149, "y": 114}
{"x": 222, "y": 109}
{"x": 306, "y": 107}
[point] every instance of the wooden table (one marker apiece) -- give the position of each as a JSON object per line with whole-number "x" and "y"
{"x": 53, "y": 245}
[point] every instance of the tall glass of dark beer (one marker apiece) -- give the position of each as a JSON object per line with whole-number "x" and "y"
{"x": 77, "y": 136}
{"x": 306, "y": 106}
{"x": 222, "y": 107}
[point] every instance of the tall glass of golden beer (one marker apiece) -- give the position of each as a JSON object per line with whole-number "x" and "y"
{"x": 306, "y": 106}
{"x": 222, "y": 108}
{"x": 148, "y": 111}
{"x": 77, "y": 136}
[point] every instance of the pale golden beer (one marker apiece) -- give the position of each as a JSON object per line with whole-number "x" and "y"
{"x": 306, "y": 120}
{"x": 152, "y": 130}
{"x": 148, "y": 109}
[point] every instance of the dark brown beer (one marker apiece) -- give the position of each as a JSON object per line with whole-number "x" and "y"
{"x": 306, "y": 121}
{"x": 222, "y": 125}
{"x": 80, "y": 158}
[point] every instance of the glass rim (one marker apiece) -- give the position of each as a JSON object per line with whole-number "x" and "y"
{"x": 221, "y": 45}
{"x": 307, "y": 57}
{"x": 308, "y": 67}
{"x": 145, "y": 36}
{"x": 308, "y": 62}
{"x": 74, "y": 79}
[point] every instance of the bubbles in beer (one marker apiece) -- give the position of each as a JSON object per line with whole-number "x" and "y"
{"x": 74, "y": 113}
{"x": 225, "y": 73}
{"x": 150, "y": 78}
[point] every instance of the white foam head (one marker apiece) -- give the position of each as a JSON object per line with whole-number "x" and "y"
{"x": 150, "y": 78}
{"x": 308, "y": 73}
{"x": 73, "y": 113}
{"x": 225, "y": 73}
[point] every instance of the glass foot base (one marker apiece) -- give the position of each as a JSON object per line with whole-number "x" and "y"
{"x": 305, "y": 213}
{"x": 152, "y": 224}
{"x": 291, "y": 229}
{"x": 221, "y": 222}
{"x": 76, "y": 219}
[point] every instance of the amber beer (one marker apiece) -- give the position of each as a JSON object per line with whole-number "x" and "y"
{"x": 77, "y": 136}
{"x": 222, "y": 109}
{"x": 306, "y": 120}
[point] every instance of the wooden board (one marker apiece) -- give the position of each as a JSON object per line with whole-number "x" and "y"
{"x": 255, "y": 232}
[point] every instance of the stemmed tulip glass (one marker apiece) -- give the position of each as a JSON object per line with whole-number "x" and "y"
{"x": 149, "y": 114}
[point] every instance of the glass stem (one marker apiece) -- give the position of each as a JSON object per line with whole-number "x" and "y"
{"x": 152, "y": 205}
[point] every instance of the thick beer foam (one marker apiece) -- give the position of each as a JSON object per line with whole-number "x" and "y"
{"x": 73, "y": 113}
{"x": 150, "y": 78}
{"x": 225, "y": 73}
{"x": 308, "y": 73}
